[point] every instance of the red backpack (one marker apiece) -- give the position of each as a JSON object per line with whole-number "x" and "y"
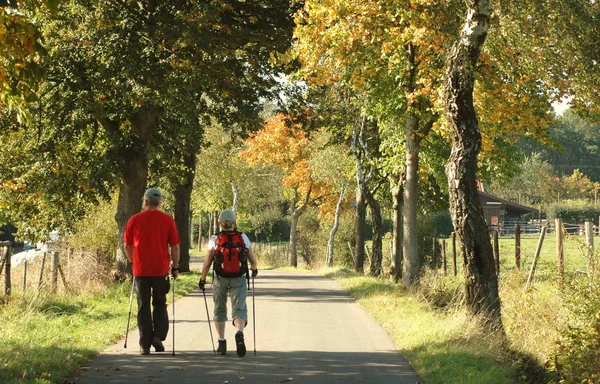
{"x": 230, "y": 254}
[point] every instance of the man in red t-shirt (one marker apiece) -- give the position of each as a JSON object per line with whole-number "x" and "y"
{"x": 151, "y": 242}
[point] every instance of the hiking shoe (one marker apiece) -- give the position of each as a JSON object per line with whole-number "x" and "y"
{"x": 158, "y": 345}
{"x": 144, "y": 351}
{"x": 222, "y": 348}
{"x": 240, "y": 346}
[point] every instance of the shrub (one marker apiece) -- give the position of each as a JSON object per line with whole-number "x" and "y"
{"x": 97, "y": 234}
{"x": 573, "y": 211}
{"x": 577, "y": 358}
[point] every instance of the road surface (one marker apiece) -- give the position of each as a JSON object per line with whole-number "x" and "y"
{"x": 308, "y": 330}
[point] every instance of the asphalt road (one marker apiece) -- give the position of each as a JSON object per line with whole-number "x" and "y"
{"x": 308, "y": 330}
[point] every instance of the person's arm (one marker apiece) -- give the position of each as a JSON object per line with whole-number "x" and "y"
{"x": 175, "y": 260}
{"x": 208, "y": 260}
{"x": 252, "y": 259}
{"x": 129, "y": 252}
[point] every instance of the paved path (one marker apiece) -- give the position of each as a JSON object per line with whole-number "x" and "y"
{"x": 308, "y": 330}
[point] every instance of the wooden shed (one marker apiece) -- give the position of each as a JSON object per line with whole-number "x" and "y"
{"x": 502, "y": 214}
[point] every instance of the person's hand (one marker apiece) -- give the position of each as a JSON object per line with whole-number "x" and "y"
{"x": 175, "y": 273}
{"x": 254, "y": 272}
{"x": 201, "y": 285}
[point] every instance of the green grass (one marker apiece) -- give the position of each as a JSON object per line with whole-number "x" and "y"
{"x": 45, "y": 338}
{"x": 447, "y": 346}
{"x": 443, "y": 347}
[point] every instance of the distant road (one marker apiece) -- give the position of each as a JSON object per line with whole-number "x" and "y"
{"x": 308, "y": 330}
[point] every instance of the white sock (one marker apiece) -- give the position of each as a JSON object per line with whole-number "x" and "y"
{"x": 221, "y": 339}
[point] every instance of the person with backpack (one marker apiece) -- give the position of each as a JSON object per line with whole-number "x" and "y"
{"x": 229, "y": 252}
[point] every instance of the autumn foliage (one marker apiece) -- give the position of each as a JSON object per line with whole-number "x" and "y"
{"x": 285, "y": 145}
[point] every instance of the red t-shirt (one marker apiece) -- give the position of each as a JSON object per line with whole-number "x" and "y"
{"x": 151, "y": 232}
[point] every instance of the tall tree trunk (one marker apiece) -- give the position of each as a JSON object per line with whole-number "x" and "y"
{"x": 183, "y": 198}
{"x": 294, "y": 228}
{"x": 359, "y": 231}
{"x": 481, "y": 279}
{"x": 334, "y": 228}
{"x": 294, "y": 235}
{"x": 377, "y": 224}
{"x": 134, "y": 177}
{"x": 398, "y": 230}
{"x": 410, "y": 265}
{"x": 215, "y": 221}
{"x": 200, "y": 231}
{"x": 236, "y": 195}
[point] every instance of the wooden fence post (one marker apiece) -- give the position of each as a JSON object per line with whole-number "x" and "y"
{"x": 7, "y": 266}
{"x": 496, "y": 251}
{"x": 54, "y": 269}
{"x": 454, "y": 253}
{"x": 24, "y": 276}
{"x": 42, "y": 271}
{"x": 435, "y": 255}
{"x": 589, "y": 242}
{"x": 560, "y": 257}
{"x": 518, "y": 246}
{"x": 535, "y": 258}
{"x": 444, "y": 261}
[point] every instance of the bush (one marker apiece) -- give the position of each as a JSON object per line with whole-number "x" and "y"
{"x": 577, "y": 358}
{"x": 573, "y": 211}
{"x": 97, "y": 234}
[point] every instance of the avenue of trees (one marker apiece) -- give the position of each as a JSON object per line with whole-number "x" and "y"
{"x": 349, "y": 110}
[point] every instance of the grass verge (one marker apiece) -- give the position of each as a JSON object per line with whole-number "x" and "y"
{"x": 46, "y": 337}
{"x": 443, "y": 347}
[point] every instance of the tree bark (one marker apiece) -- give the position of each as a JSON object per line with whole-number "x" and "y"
{"x": 359, "y": 231}
{"x": 481, "y": 279}
{"x": 200, "y": 231}
{"x": 377, "y": 225}
{"x": 236, "y": 195}
{"x": 334, "y": 228}
{"x": 398, "y": 230}
{"x": 294, "y": 235}
{"x": 134, "y": 175}
{"x": 183, "y": 197}
{"x": 410, "y": 265}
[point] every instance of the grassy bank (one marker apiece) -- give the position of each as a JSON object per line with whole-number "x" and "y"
{"x": 46, "y": 337}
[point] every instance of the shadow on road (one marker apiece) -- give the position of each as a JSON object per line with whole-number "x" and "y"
{"x": 265, "y": 367}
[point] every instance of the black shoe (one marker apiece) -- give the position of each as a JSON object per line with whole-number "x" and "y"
{"x": 222, "y": 348}
{"x": 158, "y": 345}
{"x": 240, "y": 346}
{"x": 144, "y": 351}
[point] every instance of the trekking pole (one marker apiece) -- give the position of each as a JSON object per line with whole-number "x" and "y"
{"x": 209, "y": 327}
{"x": 253, "y": 317}
{"x": 173, "y": 316}
{"x": 129, "y": 317}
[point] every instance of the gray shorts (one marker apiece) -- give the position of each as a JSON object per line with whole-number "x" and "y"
{"x": 238, "y": 291}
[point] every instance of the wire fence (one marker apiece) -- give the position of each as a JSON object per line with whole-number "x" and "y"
{"x": 534, "y": 227}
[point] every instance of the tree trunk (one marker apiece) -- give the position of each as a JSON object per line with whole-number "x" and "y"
{"x": 397, "y": 236}
{"x": 359, "y": 231}
{"x": 236, "y": 195}
{"x": 215, "y": 221}
{"x": 336, "y": 224}
{"x": 134, "y": 177}
{"x": 410, "y": 263}
{"x": 183, "y": 198}
{"x": 200, "y": 231}
{"x": 481, "y": 279}
{"x": 294, "y": 235}
{"x": 377, "y": 224}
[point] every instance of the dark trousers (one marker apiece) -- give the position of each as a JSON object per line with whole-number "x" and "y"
{"x": 152, "y": 322}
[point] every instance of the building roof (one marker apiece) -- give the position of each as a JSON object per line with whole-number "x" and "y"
{"x": 514, "y": 207}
